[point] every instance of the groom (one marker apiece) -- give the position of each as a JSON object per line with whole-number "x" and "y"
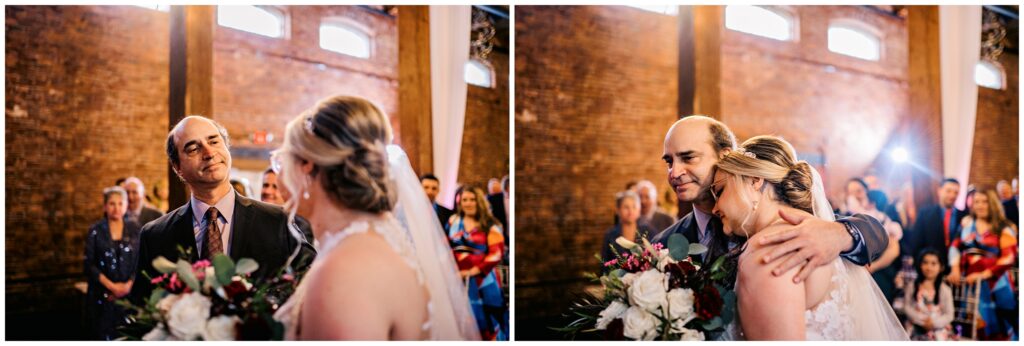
{"x": 693, "y": 146}
{"x": 216, "y": 219}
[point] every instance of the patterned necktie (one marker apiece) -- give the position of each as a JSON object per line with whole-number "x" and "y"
{"x": 213, "y": 237}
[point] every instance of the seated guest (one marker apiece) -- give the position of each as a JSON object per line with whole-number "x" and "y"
{"x": 478, "y": 246}
{"x": 928, "y": 300}
{"x": 432, "y": 186}
{"x": 111, "y": 256}
{"x": 627, "y": 207}
{"x": 649, "y": 213}
{"x": 985, "y": 251}
{"x": 137, "y": 208}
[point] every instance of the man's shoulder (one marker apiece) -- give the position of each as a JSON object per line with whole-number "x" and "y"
{"x": 260, "y": 209}
{"x": 162, "y": 224}
{"x": 676, "y": 227}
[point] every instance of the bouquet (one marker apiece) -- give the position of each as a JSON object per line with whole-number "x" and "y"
{"x": 651, "y": 292}
{"x": 209, "y": 300}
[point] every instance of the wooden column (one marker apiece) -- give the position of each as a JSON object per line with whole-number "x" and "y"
{"x": 700, "y": 60}
{"x": 191, "y": 76}
{"x": 924, "y": 124}
{"x": 414, "y": 115}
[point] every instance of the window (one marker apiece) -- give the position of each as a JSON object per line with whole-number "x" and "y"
{"x": 161, "y": 8}
{"x": 341, "y": 37}
{"x": 479, "y": 73}
{"x": 988, "y": 74}
{"x": 854, "y": 39}
{"x": 760, "y": 21}
{"x": 260, "y": 20}
{"x": 669, "y": 10}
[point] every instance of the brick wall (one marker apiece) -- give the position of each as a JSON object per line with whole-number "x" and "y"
{"x": 996, "y": 153}
{"x": 87, "y": 103}
{"x": 485, "y": 151}
{"x": 595, "y": 92}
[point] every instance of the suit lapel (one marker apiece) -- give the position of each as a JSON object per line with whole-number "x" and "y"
{"x": 240, "y": 222}
{"x": 183, "y": 231}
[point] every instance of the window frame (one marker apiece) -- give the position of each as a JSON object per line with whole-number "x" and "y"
{"x": 352, "y": 25}
{"x": 783, "y": 11}
{"x": 861, "y": 27}
{"x": 279, "y": 11}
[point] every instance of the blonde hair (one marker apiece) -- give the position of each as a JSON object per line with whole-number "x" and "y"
{"x": 774, "y": 160}
{"x": 345, "y": 138}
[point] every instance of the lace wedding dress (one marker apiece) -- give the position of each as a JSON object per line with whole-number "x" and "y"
{"x": 390, "y": 230}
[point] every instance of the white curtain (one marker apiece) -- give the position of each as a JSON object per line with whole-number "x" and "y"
{"x": 959, "y": 49}
{"x": 449, "y": 51}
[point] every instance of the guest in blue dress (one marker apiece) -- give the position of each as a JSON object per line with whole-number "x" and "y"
{"x": 111, "y": 256}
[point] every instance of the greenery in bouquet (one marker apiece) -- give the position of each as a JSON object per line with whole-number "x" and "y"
{"x": 653, "y": 292}
{"x": 209, "y": 300}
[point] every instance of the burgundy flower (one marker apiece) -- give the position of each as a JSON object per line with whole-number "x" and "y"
{"x": 708, "y": 303}
{"x": 234, "y": 288}
{"x": 615, "y": 330}
{"x": 679, "y": 274}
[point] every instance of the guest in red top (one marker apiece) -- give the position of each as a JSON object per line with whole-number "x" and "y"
{"x": 478, "y": 245}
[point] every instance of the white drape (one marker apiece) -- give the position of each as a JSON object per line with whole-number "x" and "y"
{"x": 449, "y": 51}
{"x": 959, "y": 49}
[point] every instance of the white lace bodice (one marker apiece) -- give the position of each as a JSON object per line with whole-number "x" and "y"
{"x": 388, "y": 228}
{"x": 828, "y": 320}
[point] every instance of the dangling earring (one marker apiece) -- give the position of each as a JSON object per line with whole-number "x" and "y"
{"x": 305, "y": 189}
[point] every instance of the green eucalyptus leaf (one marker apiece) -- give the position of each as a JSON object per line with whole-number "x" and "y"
{"x": 246, "y": 266}
{"x": 728, "y": 306}
{"x": 154, "y": 298}
{"x": 717, "y": 264}
{"x": 619, "y": 273}
{"x": 224, "y": 267}
{"x": 697, "y": 249}
{"x": 185, "y": 275}
{"x": 163, "y": 265}
{"x": 678, "y": 247}
{"x": 714, "y": 323}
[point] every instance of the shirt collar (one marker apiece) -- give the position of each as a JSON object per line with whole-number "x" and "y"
{"x": 702, "y": 220}
{"x": 225, "y": 207}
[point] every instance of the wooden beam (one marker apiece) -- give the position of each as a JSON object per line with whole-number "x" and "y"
{"x": 924, "y": 124}
{"x": 687, "y": 61}
{"x": 191, "y": 76}
{"x": 707, "y": 27}
{"x": 414, "y": 112}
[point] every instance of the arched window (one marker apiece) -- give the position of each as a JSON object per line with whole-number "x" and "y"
{"x": 161, "y": 8}
{"x": 260, "y": 20}
{"x": 663, "y": 9}
{"x": 989, "y": 75}
{"x": 854, "y": 39}
{"x": 760, "y": 21}
{"x": 479, "y": 73}
{"x": 339, "y": 36}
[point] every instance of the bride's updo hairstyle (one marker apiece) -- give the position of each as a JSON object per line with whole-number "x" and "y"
{"x": 773, "y": 160}
{"x": 345, "y": 138}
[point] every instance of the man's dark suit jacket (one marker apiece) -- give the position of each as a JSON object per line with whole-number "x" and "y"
{"x": 443, "y": 214}
{"x": 259, "y": 232}
{"x": 874, "y": 237}
{"x": 1012, "y": 214}
{"x": 497, "y": 202}
{"x": 928, "y": 232}
{"x": 148, "y": 214}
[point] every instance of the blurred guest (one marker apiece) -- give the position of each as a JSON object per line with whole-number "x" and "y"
{"x": 669, "y": 203}
{"x": 929, "y": 300}
{"x": 1006, "y": 198}
{"x": 137, "y": 208}
{"x": 478, "y": 247}
{"x": 885, "y": 268}
{"x": 241, "y": 186}
{"x": 969, "y": 198}
{"x": 120, "y": 181}
{"x": 985, "y": 251}
{"x": 270, "y": 192}
{"x": 159, "y": 196}
{"x": 493, "y": 186}
{"x": 456, "y": 201}
{"x": 432, "y": 186}
{"x": 856, "y": 196}
{"x": 649, "y": 213}
{"x": 497, "y": 202}
{"x": 627, "y": 206}
{"x": 111, "y": 256}
{"x": 938, "y": 225}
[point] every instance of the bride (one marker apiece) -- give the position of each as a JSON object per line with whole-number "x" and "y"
{"x": 383, "y": 271}
{"x": 752, "y": 185}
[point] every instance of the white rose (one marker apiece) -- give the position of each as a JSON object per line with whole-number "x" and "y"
{"x": 613, "y": 311}
{"x": 221, "y": 328}
{"x": 680, "y": 304}
{"x": 664, "y": 259}
{"x": 157, "y": 334}
{"x": 165, "y": 304}
{"x": 691, "y": 335}
{"x": 188, "y": 316}
{"x": 648, "y": 291}
{"x": 627, "y": 279}
{"x": 638, "y": 324}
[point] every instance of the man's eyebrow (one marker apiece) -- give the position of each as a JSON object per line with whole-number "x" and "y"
{"x": 686, "y": 153}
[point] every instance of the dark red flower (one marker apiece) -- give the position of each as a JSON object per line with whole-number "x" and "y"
{"x": 234, "y": 288}
{"x": 615, "y": 330}
{"x": 679, "y": 274}
{"x": 708, "y": 303}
